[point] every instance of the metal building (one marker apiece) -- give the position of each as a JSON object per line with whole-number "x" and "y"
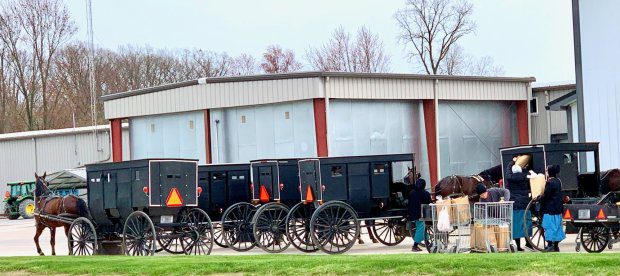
{"x": 24, "y": 153}
{"x": 550, "y": 122}
{"x": 454, "y": 124}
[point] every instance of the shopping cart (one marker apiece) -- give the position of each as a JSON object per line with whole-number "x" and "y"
{"x": 492, "y": 229}
{"x": 450, "y": 230}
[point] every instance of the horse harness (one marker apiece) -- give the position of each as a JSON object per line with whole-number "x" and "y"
{"x": 459, "y": 181}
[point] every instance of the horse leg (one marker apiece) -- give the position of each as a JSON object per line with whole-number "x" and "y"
{"x": 368, "y": 226}
{"x": 53, "y": 239}
{"x": 39, "y": 230}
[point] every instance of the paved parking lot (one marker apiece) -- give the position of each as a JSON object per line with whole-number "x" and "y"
{"x": 16, "y": 238}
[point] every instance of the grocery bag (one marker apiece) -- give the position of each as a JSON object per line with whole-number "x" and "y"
{"x": 502, "y": 233}
{"x": 461, "y": 210}
{"x": 443, "y": 220}
{"x": 537, "y": 184}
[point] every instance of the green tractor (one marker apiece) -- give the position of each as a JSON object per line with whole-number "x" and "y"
{"x": 19, "y": 200}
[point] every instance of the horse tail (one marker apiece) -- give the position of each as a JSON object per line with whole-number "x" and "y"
{"x": 82, "y": 208}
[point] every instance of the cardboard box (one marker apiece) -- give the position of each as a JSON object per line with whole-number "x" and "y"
{"x": 461, "y": 212}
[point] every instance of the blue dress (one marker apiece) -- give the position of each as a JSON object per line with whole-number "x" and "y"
{"x": 518, "y": 229}
{"x": 553, "y": 228}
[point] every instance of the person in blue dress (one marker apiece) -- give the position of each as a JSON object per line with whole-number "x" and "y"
{"x": 516, "y": 181}
{"x": 552, "y": 207}
{"x": 417, "y": 198}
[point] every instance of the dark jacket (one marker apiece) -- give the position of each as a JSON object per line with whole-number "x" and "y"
{"x": 417, "y": 197}
{"x": 551, "y": 199}
{"x": 519, "y": 187}
{"x": 495, "y": 194}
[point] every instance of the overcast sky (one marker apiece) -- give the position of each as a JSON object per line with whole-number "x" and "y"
{"x": 526, "y": 37}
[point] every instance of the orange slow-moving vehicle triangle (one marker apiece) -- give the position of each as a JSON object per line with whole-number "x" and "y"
{"x": 601, "y": 214}
{"x": 264, "y": 195}
{"x": 174, "y": 198}
{"x": 567, "y": 214}
{"x": 309, "y": 197}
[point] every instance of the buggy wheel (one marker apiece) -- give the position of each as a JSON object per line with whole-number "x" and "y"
{"x": 334, "y": 227}
{"x": 595, "y": 238}
{"x": 534, "y": 234}
{"x": 237, "y": 226}
{"x": 197, "y": 236}
{"x": 269, "y": 227}
{"x": 218, "y": 238}
{"x": 390, "y": 231}
{"x": 139, "y": 235}
{"x": 170, "y": 241}
{"x": 429, "y": 238}
{"x": 82, "y": 238}
{"x": 298, "y": 227}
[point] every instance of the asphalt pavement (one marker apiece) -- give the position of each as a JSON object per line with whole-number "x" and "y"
{"x": 17, "y": 239}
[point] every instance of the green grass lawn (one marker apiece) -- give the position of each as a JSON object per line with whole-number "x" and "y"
{"x": 462, "y": 264}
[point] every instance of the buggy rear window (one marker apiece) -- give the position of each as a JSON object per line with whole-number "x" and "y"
{"x": 336, "y": 171}
{"x": 219, "y": 176}
{"x": 378, "y": 169}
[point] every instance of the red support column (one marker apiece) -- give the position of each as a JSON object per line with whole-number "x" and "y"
{"x": 431, "y": 139}
{"x": 207, "y": 122}
{"x": 116, "y": 129}
{"x": 320, "y": 127}
{"x": 523, "y": 122}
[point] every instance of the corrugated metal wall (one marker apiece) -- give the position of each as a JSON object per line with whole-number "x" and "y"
{"x": 471, "y": 133}
{"x": 247, "y": 93}
{"x": 179, "y": 135}
{"x": 214, "y": 95}
{"x": 284, "y": 130}
{"x": 21, "y": 158}
{"x": 362, "y": 127}
{"x": 558, "y": 122}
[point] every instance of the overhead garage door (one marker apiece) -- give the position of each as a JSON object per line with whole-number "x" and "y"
{"x": 179, "y": 135}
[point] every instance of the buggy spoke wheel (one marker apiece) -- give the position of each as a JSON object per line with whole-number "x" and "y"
{"x": 269, "y": 227}
{"x": 82, "y": 238}
{"x": 390, "y": 231}
{"x": 218, "y": 236}
{"x": 429, "y": 238}
{"x": 198, "y": 234}
{"x": 535, "y": 234}
{"x": 237, "y": 226}
{"x": 170, "y": 241}
{"x": 298, "y": 227}
{"x": 595, "y": 239}
{"x": 139, "y": 235}
{"x": 338, "y": 229}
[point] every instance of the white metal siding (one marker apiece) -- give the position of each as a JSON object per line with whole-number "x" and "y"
{"x": 557, "y": 119}
{"x": 481, "y": 90}
{"x": 22, "y": 157}
{"x": 362, "y": 127}
{"x": 471, "y": 133}
{"x": 379, "y": 88}
{"x": 180, "y": 135}
{"x": 214, "y": 95}
{"x": 245, "y": 133}
{"x": 600, "y": 71}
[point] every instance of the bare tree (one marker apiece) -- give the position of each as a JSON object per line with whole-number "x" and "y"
{"x": 244, "y": 65}
{"x": 33, "y": 31}
{"x": 485, "y": 66}
{"x": 365, "y": 54}
{"x": 276, "y": 60}
{"x": 429, "y": 28}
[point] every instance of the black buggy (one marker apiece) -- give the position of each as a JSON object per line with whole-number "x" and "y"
{"x": 260, "y": 220}
{"x": 336, "y": 193}
{"x": 137, "y": 204}
{"x": 576, "y": 186}
{"x": 222, "y": 186}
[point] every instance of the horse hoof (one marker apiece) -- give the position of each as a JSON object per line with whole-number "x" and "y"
{"x": 360, "y": 242}
{"x": 41, "y": 254}
{"x": 374, "y": 241}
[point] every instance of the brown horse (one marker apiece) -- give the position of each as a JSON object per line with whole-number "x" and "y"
{"x": 458, "y": 184}
{"x": 610, "y": 180}
{"x": 47, "y": 205}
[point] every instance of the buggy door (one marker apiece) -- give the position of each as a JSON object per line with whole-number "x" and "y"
{"x": 310, "y": 180}
{"x": 537, "y": 162}
{"x": 176, "y": 178}
{"x": 266, "y": 181}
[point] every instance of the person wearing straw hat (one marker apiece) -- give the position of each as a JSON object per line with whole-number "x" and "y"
{"x": 552, "y": 207}
{"x": 518, "y": 185}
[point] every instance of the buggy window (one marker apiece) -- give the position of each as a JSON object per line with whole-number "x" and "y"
{"x": 378, "y": 169}
{"x": 219, "y": 176}
{"x": 336, "y": 171}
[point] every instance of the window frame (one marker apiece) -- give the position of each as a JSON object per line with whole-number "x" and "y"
{"x": 530, "y": 106}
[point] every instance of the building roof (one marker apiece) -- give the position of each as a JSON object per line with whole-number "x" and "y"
{"x": 562, "y": 102}
{"x": 554, "y": 86}
{"x": 310, "y": 74}
{"x": 53, "y": 132}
